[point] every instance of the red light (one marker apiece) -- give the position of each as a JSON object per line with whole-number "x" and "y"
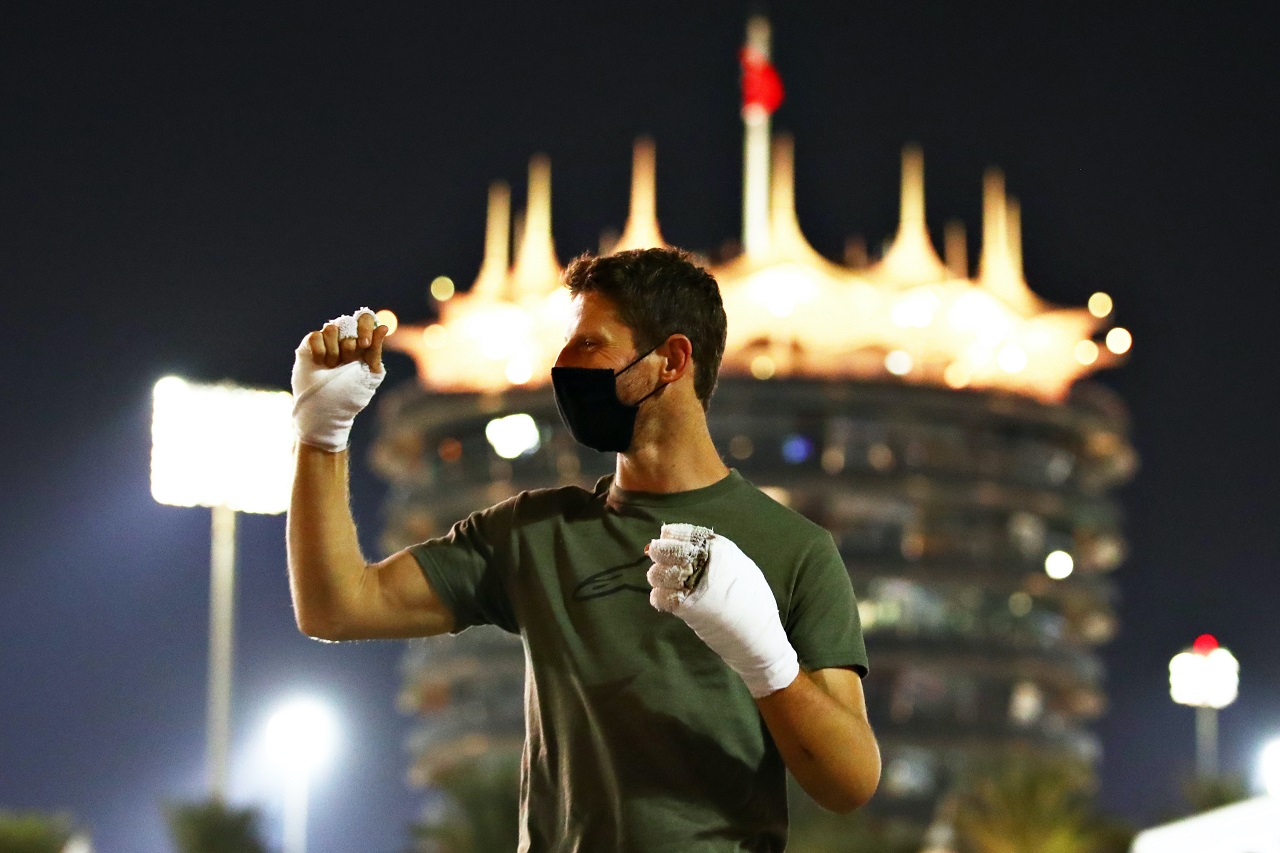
{"x": 1204, "y": 644}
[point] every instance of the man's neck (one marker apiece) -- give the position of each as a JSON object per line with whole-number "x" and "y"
{"x": 678, "y": 461}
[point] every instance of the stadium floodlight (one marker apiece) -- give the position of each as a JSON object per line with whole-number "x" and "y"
{"x": 1206, "y": 677}
{"x": 231, "y": 449}
{"x": 221, "y": 445}
{"x": 301, "y": 736}
{"x": 1269, "y": 768}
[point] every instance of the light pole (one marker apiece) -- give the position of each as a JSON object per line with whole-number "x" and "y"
{"x": 1269, "y": 768}
{"x": 940, "y": 837}
{"x": 300, "y": 737}
{"x": 1206, "y": 677}
{"x": 231, "y": 449}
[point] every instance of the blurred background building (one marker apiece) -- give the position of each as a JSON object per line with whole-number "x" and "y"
{"x": 928, "y": 412}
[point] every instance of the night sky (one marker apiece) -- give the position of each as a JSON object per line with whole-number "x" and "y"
{"x": 190, "y": 187}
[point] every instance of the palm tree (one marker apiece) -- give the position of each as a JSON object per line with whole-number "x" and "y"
{"x": 1028, "y": 803}
{"x": 813, "y": 829}
{"x": 31, "y": 832}
{"x": 214, "y": 827}
{"x": 484, "y": 795}
{"x": 1205, "y": 793}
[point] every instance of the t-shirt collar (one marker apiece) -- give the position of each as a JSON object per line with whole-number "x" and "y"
{"x": 615, "y": 495}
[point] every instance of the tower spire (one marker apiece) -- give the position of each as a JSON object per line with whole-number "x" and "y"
{"x": 956, "y": 249}
{"x": 641, "y": 231}
{"x": 1013, "y": 236}
{"x": 536, "y": 269}
{"x": 1000, "y": 267}
{"x": 491, "y": 280}
{"x": 911, "y": 257}
{"x": 994, "y": 260}
{"x": 785, "y": 237}
{"x": 911, "y": 213}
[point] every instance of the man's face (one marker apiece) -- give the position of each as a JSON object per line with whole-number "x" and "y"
{"x": 597, "y": 337}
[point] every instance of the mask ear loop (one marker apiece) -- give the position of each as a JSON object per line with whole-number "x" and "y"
{"x": 655, "y": 390}
{"x": 638, "y": 359}
{"x": 657, "y": 387}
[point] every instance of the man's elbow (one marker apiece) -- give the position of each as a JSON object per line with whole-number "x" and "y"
{"x": 852, "y": 792}
{"x": 320, "y": 626}
{"x": 848, "y": 800}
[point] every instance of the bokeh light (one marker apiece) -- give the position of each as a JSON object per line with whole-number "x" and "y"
{"x": 1119, "y": 340}
{"x": 1269, "y": 767}
{"x": 389, "y": 319}
{"x": 302, "y": 734}
{"x": 898, "y": 362}
{"x": 1086, "y": 352}
{"x": 513, "y": 435}
{"x": 1059, "y": 565}
{"x": 442, "y": 288}
{"x": 1100, "y": 305}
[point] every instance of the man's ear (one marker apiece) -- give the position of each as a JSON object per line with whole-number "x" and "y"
{"x": 677, "y": 354}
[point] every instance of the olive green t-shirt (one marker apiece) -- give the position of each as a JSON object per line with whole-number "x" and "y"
{"x": 638, "y": 736}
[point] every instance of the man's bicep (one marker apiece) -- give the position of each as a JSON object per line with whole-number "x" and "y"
{"x": 843, "y": 685}
{"x": 398, "y": 601}
{"x": 822, "y": 617}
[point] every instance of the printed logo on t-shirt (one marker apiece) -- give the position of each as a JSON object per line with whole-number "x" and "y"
{"x": 627, "y": 576}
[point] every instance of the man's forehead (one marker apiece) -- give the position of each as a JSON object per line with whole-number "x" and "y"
{"x": 596, "y": 313}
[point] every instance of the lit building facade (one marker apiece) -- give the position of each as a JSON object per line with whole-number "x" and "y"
{"x": 930, "y": 419}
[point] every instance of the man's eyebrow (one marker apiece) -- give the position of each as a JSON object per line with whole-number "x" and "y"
{"x": 599, "y": 336}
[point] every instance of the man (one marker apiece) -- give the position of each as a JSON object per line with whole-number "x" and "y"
{"x": 659, "y": 716}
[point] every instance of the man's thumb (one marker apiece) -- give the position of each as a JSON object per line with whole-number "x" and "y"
{"x": 373, "y": 355}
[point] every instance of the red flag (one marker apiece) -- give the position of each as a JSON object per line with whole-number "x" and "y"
{"x": 761, "y": 85}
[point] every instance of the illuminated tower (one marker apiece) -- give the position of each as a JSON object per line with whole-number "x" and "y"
{"x": 932, "y": 421}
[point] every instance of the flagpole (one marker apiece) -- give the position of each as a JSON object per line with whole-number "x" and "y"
{"x": 755, "y": 159}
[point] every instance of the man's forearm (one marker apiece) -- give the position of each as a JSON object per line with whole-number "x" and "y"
{"x": 325, "y": 563}
{"x": 826, "y": 745}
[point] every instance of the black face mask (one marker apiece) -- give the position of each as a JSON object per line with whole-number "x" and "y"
{"x": 587, "y": 398}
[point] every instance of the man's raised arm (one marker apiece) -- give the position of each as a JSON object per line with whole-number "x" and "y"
{"x": 337, "y": 594}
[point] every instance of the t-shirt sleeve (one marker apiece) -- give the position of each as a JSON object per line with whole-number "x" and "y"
{"x": 468, "y": 569}
{"x": 823, "y": 622}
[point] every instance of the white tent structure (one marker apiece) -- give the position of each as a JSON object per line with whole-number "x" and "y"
{"x": 1252, "y": 826}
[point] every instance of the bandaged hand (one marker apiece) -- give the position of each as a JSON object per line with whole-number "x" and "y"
{"x": 723, "y": 596}
{"x": 336, "y": 370}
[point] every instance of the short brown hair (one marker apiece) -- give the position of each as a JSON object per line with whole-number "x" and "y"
{"x": 659, "y": 293}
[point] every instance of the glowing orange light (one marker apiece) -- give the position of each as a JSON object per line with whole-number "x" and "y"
{"x": 762, "y": 367}
{"x": 1086, "y": 352}
{"x": 898, "y": 362}
{"x": 388, "y": 319}
{"x": 434, "y": 336}
{"x": 1100, "y": 305}
{"x": 442, "y": 288}
{"x": 450, "y": 450}
{"x": 1119, "y": 340}
{"x": 519, "y": 371}
{"x": 1012, "y": 359}
{"x": 956, "y": 375}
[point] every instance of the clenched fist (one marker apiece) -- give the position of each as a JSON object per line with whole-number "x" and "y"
{"x": 721, "y": 594}
{"x": 336, "y": 370}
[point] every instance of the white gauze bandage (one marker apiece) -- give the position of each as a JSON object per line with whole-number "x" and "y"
{"x": 326, "y": 400}
{"x": 723, "y": 596}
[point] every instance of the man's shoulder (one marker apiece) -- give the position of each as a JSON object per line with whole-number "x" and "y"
{"x": 769, "y": 505}
{"x": 556, "y": 502}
